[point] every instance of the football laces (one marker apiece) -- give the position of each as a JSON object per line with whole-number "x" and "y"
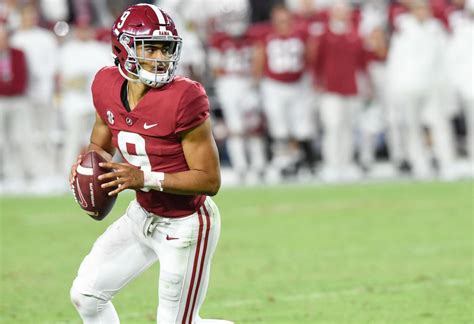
{"x": 73, "y": 189}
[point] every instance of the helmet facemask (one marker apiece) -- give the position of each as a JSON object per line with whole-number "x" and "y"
{"x": 151, "y": 59}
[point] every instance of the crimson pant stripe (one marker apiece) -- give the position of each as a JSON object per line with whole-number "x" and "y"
{"x": 196, "y": 258}
{"x": 206, "y": 239}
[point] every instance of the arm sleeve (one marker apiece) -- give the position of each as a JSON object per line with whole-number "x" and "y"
{"x": 193, "y": 109}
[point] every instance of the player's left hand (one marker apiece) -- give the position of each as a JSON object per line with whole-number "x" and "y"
{"x": 123, "y": 176}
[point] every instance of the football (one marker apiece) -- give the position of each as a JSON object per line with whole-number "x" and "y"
{"x": 88, "y": 193}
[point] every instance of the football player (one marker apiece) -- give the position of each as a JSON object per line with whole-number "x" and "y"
{"x": 14, "y": 160}
{"x": 160, "y": 124}
{"x": 42, "y": 115}
{"x": 339, "y": 57}
{"x": 417, "y": 93}
{"x": 280, "y": 64}
{"x": 231, "y": 61}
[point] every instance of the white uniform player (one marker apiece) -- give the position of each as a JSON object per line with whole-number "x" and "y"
{"x": 15, "y": 165}
{"x": 231, "y": 60}
{"x": 77, "y": 110}
{"x": 41, "y": 50}
{"x": 417, "y": 92}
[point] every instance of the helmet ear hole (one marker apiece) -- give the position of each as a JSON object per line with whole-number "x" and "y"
{"x": 118, "y": 50}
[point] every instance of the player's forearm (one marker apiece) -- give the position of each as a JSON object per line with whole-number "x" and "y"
{"x": 192, "y": 182}
{"x": 103, "y": 152}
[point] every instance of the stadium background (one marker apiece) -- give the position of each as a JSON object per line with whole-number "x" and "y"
{"x": 383, "y": 244}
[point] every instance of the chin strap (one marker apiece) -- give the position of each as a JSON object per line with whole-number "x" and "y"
{"x": 146, "y": 77}
{"x": 142, "y": 77}
{"x": 125, "y": 75}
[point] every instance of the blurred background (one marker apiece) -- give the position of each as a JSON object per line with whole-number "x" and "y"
{"x": 301, "y": 91}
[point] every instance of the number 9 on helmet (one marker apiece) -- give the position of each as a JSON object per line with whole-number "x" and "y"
{"x": 140, "y": 30}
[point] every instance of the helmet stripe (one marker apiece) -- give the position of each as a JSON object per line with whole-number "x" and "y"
{"x": 159, "y": 15}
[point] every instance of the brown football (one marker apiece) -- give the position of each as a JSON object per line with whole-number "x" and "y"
{"x": 92, "y": 198}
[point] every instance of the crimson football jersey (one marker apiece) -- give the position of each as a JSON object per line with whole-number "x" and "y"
{"x": 13, "y": 73}
{"x": 148, "y": 136}
{"x": 285, "y": 58}
{"x": 235, "y": 53}
{"x": 338, "y": 58}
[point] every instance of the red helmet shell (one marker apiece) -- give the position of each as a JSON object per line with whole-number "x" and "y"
{"x": 140, "y": 20}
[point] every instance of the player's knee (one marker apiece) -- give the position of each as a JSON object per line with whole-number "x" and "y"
{"x": 86, "y": 305}
{"x": 170, "y": 287}
{"x": 169, "y": 292}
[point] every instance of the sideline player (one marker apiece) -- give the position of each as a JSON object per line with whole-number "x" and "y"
{"x": 338, "y": 60}
{"x": 418, "y": 94}
{"x": 280, "y": 63}
{"x": 42, "y": 114}
{"x": 231, "y": 51}
{"x": 14, "y": 162}
{"x": 160, "y": 125}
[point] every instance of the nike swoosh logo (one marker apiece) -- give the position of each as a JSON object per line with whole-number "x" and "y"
{"x": 169, "y": 238}
{"x": 149, "y": 126}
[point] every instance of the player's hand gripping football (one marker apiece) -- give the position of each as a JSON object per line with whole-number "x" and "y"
{"x": 123, "y": 176}
{"x": 73, "y": 173}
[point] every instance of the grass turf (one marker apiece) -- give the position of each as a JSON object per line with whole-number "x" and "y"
{"x": 377, "y": 253}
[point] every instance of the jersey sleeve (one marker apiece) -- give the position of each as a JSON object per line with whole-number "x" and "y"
{"x": 258, "y": 31}
{"x": 97, "y": 88}
{"x": 193, "y": 109}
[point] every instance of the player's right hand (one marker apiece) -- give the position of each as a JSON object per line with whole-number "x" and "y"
{"x": 72, "y": 175}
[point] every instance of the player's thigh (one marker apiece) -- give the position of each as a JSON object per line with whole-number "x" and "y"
{"x": 117, "y": 257}
{"x": 234, "y": 117}
{"x": 228, "y": 96}
{"x": 274, "y": 106}
{"x": 20, "y": 122}
{"x": 185, "y": 263}
{"x": 302, "y": 117}
{"x": 332, "y": 111}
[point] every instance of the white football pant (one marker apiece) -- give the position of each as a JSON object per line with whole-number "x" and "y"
{"x": 183, "y": 246}
{"x": 407, "y": 115}
{"x": 338, "y": 117}
{"x": 288, "y": 109}
{"x": 290, "y": 115}
{"x": 21, "y": 158}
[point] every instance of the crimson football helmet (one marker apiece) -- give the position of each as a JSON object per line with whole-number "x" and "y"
{"x": 139, "y": 32}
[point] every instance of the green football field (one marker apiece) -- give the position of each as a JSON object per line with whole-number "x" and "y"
{"x": 372, "y": 253}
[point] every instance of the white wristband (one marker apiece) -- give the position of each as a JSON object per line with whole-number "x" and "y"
{"x": 153, "y": 180}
